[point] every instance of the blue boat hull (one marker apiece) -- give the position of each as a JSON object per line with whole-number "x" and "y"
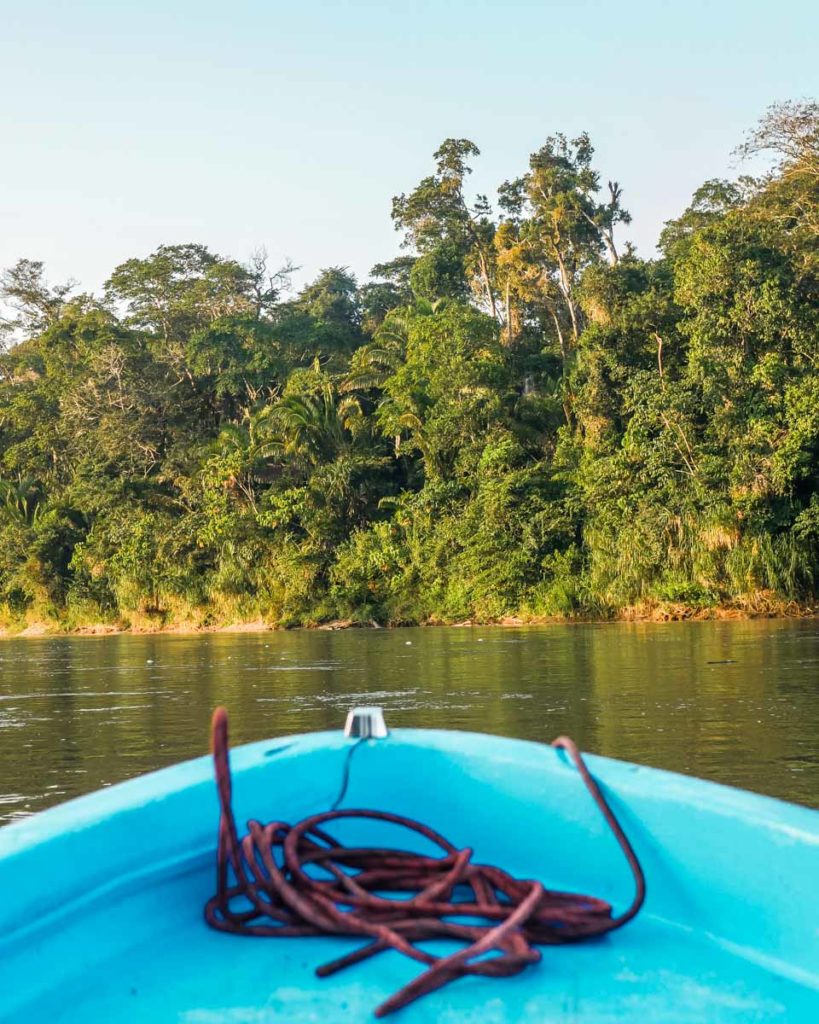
{"x": 101, "y": 914}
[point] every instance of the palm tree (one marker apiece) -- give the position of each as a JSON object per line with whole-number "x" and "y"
{"x": 329, "y": 437}
{"x": 372, "y": 364}
{"x": 245, "y": 449}
{"x": 21, "y": 502}
{"x": 316, "y": 428}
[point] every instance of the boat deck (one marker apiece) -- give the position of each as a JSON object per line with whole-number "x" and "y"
{"x": 131, "y": 868}
{"x": 164, "y": 965}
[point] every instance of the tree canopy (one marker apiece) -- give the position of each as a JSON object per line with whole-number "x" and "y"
{"x": 517, "y": 416}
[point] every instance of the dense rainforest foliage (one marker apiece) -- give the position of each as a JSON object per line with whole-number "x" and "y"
{"x": 518, "y": 416}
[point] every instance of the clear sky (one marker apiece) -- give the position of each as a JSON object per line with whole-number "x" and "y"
{"x": 125, "y": 124}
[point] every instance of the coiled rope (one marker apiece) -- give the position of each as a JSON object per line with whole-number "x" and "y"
{"x": 346, "y": 894}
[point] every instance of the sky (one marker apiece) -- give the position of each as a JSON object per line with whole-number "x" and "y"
{"x": 248, "y": 124}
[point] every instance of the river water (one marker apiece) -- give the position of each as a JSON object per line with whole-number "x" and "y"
{"x": 737, "y": 702}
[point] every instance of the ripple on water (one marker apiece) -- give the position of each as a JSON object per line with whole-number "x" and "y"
{"x": 80, "y": 713}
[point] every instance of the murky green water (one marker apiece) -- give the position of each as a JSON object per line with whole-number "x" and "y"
{"x": 735, "y": 702}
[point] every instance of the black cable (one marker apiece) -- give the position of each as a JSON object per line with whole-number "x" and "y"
{"x": 345, "y": 779}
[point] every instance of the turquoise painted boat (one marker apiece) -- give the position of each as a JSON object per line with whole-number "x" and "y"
{"x": 102, "y": 897}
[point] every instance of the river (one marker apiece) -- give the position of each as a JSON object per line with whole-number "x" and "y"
{"x": 737, "y": 702}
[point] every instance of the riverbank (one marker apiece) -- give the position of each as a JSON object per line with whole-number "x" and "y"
{"x": 642, "y": 613}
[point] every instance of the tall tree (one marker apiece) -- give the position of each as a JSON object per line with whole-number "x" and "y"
{"x": 453, "y": 239}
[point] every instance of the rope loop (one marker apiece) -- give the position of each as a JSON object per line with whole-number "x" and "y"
{"x": 283, "y": 880}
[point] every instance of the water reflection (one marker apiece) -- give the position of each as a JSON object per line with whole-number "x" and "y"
{"x": 736, "y": 702}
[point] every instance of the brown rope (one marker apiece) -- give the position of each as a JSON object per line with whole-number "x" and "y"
{"x": 294, "y": 880}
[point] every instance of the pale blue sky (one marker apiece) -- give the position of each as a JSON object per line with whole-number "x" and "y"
{"x": 241, "y": 124}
